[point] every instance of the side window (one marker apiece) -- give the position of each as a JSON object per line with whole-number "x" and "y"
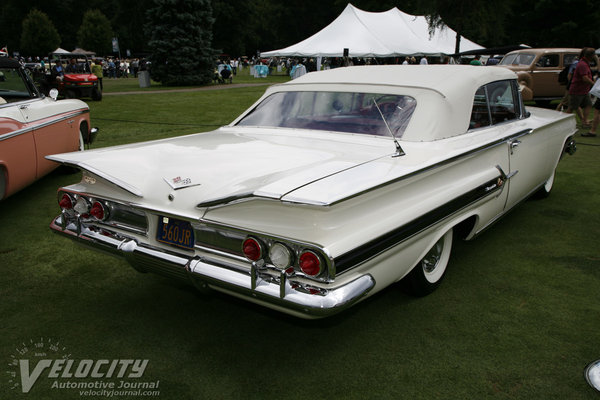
{"x": 568, "y": 59}
{"x": 494, "y": 103}
{"x": 501, "y": 101}
{"x": 548, "y": 61}
{"x": 480, "y": 115}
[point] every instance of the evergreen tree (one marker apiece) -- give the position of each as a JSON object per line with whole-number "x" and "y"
{"x": 95, "y": 33}
{"x": 39, "y": 36}
{"x": 180, "y": 33}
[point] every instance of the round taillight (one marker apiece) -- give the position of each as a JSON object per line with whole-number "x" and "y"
{"x": 97, "y": 211}
{"x": 66, "y": 202}
{"x": 310, "y": 263}
{"x": 280, "y": 255}
{"x": 252, "y": 249}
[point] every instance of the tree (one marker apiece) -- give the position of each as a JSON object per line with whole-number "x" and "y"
{"x": 233, "y": 29}
{"x": 39, "y": 36}
{"x": 128, "y": 19}
{"x": 481, "y": 20}
{"x": 557, "y": 23}
{"x": 180, "y": 34}
{"x": 95, "y": 33}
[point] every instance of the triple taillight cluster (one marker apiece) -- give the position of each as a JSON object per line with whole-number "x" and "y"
{"x": 283, "y": 257}
{"x": 85, "y": 207}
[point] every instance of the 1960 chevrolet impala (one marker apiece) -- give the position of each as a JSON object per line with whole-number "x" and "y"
{"x": 327, "y": 190}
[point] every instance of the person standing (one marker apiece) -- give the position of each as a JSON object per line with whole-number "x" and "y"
{"x": 111, "y": 69}
{"x": 234, "y": 64}
{"x": 97, "y": 70}
{"x": 135, "y": 64}
{"x": 580, "y": 86}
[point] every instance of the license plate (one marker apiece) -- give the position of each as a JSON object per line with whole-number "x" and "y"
{"x": 176, "y": 232}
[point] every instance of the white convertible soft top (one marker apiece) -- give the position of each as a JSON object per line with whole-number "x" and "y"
{"x": 444, "y": 78}
{"x": 444, "y": 93}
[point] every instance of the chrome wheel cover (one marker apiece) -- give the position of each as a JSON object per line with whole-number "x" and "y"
{"x": 434, "y": 263}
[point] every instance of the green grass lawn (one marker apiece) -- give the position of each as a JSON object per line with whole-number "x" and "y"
{"x": 131, "y": 84}
{"x": 517, "y": 317}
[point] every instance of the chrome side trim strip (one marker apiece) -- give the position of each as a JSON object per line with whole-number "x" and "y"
{"x": 43, "y": 125}
{"x": 388, "y": 240}
{"x": 439, "y": 164}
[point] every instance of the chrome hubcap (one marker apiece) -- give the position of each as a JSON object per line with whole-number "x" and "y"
{"x": 432, "y": 258}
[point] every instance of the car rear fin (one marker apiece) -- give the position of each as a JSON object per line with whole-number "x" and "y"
{"x": 82, "y": 166}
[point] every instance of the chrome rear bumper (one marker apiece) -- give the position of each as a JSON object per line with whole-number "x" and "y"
{"x": 280, "y": 292}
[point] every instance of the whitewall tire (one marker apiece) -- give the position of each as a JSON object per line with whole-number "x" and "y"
{"x": 429, "y": 272}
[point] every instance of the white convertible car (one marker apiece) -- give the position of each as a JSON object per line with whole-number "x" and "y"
{"x": 327, "y": 190}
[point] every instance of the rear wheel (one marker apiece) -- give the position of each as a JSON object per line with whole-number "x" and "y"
{"x": 428, "y": 273}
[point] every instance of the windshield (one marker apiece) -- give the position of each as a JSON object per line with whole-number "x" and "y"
{"x": 334, "y": 111}
{"x": 518, "y": 59}
{"x": 13, "y": 86}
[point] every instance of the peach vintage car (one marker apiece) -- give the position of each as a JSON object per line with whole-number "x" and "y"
{"x": 33, "y": 126}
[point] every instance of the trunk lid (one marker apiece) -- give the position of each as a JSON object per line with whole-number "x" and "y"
{"x": 231, "y": 163}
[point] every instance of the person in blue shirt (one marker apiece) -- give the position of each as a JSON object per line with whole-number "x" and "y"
{"x": 58, "y": 71}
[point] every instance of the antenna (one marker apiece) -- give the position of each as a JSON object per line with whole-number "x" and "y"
{"x": 399, "y": 151}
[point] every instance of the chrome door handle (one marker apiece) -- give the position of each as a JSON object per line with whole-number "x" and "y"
{"x": 513, "y": 144}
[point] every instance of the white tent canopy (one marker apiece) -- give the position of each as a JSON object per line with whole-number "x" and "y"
{"x": 79, "y": 50}
{"x": 368, "y": 34}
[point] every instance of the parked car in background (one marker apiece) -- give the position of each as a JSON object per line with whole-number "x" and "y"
{"x": 77, "y": 81}
{"x": 33, "y": 126}
{"x": 538, "y": 71}
{"x": 330, "y": 188}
